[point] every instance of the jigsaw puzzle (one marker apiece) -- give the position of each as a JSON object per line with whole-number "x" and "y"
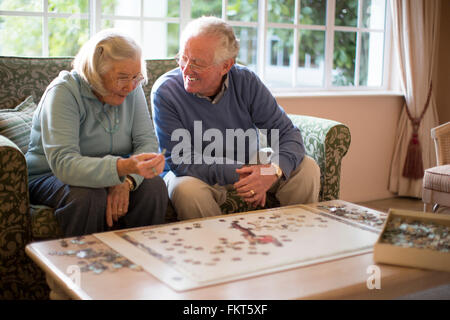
{"x": 197, "y": 253}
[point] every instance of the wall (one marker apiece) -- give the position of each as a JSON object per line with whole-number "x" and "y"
{"x": 373, "y": 122}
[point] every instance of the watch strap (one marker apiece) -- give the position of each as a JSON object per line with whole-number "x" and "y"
{"x": 131, "y": 182}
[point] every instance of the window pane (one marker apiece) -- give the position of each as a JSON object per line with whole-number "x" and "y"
{"x": 173, "y": 39}
{"x": 346, "y": 13}
{"x": 108, "y": 6}
{"x": 247, "y": 53}
{"x": 373, "y": 13}
{"x": 20, "y": 5}
{"x": 67, "y": 36}
{"x": 278, "y": 65}
{"x": 344, "y": 58}
{"x": 166, "y": 35}
{"x": 129, "y": 27}
{"x": 281, "y": 11}
{"x": 121, "y": 7}
{"x": 21, "y": 36}
{"x": 242, "y": 10}
{"x": 311, "y": 58}
{"x": 206, "y": 8}
{"x": 161, "y": 8}
{"x": 313, "y": 12}
{"x": 371, "y": 60}
{"x": 68, "y": 6}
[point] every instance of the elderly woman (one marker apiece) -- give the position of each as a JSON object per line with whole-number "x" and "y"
{"x": 92, "y": 145}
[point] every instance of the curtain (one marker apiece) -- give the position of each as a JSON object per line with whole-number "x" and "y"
{"x": 415, "y": 35}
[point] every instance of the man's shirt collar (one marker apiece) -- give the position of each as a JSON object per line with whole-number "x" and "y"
{"x": 218, "y": 96}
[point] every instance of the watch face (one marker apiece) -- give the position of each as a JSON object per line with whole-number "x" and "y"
{"x": 278, "y": 171}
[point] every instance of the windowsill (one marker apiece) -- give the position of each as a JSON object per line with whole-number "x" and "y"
{"x": 332, "y": 94}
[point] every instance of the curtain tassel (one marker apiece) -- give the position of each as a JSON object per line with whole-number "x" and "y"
{"x": 413, "y": 167}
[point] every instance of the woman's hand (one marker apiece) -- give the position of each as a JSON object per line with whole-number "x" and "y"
{"x": 117, "y": 202}
{"x": 148, "y": 165}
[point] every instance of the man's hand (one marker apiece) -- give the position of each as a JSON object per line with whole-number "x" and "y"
{"x": 254, "y": 181}
{"x": 117, "y": 202}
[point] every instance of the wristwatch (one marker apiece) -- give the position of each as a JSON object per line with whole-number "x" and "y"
{"x": 278, "y": 171}
{"x": 131, "y": 182}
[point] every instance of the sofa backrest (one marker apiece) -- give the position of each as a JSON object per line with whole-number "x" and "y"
{"x": 21, "y": 77}
{"x": 155, "y": 69}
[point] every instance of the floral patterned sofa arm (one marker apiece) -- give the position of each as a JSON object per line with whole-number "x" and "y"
{"x": 18, "y": 273}
{"x": 327, "y": 142}
{"x": 14, "y": 201}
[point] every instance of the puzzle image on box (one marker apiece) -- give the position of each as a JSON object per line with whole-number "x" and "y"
{"x": 196, "y": 253}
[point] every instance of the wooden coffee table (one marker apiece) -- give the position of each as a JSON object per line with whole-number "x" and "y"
{"x": 77, "y": 277}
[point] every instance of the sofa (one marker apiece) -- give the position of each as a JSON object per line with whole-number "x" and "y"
{"x": 22, "y": 82}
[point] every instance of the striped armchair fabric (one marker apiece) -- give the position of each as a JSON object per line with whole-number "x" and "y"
{"x": 20, "y": 222}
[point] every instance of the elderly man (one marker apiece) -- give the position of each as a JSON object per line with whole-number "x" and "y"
{"x": 207, "y": 114}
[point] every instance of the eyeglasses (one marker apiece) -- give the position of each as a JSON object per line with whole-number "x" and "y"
{"x": 124, "y": 81}
{"x": 182, "y": 61}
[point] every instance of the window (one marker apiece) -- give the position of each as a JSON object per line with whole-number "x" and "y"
{"x": 25, "y": 27}
{"x": 325, "y": 44}
{"x": 291, "y": 44}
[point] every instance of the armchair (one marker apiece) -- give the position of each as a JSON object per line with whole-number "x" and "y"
{"x": 436, "y": 180}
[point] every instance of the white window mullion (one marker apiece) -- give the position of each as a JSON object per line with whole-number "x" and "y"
{"x": 296, "y": 44}
{"x": 387, "y": 56}
{"x": 185, "y": 15}
{"x": 358, "y": 44}
{"x": 329, "y": 47}
{"x": 224, "y": 9}
{"x": 357, "y": 58}
{"x": 45, "y": 33}
{"x": 141, "y": 23}
{"x": 95, "y": 16}
{"x": 262, "y": 36}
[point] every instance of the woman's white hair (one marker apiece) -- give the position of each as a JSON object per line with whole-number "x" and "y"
{"x": 98, "y": 54}
{"x": 212, "y": 26}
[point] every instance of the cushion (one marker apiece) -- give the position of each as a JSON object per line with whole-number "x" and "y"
{"x": 15, "y": 124}
{"x": 437, "y": 178}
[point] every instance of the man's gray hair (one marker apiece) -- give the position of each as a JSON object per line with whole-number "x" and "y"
{"x": 98, "y": 54}
{"x": 213, "y": 26}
